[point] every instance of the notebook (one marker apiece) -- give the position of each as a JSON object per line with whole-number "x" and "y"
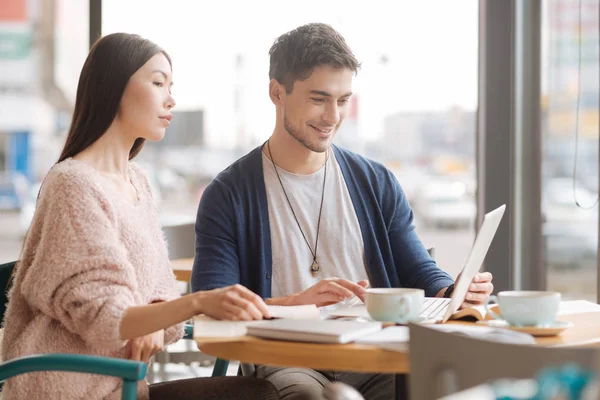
{"x": 315, "y": 331}
{"x": 207, "y": 327}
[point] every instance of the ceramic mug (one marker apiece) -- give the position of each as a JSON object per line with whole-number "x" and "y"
{"x": 526, "y": 307}
{"x": 400, "y": 305}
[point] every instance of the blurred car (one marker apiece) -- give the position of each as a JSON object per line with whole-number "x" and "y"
{"x": 445, "y": 203}
{"x": 570, "y": 245}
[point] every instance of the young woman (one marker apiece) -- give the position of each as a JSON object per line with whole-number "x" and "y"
{"x": 94, "y": 276}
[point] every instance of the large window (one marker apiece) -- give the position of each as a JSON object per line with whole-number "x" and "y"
{"x": 42, "y": 48}
{"x": 570, "y": 93}
{"x": 414, "y": 107}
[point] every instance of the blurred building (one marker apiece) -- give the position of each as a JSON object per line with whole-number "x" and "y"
{"x": 34, "y": 108}
{"x": 422, "y": 137}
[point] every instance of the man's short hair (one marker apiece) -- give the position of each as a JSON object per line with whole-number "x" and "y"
{"x": 295, "y": 54}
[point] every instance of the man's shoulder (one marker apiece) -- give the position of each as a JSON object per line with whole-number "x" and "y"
{"x": 241, "y": 173}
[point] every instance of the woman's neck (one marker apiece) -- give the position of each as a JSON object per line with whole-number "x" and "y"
{"x": 108, "y": 154}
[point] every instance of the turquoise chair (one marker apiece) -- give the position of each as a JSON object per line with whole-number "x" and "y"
{"x": 130, "y": 371}
{"x": 220, "y": 368}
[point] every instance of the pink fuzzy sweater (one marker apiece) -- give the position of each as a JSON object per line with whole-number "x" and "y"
{"x": 90, "y": 254}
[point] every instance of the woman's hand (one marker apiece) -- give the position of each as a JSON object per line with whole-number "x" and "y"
{"x": 144, "y": 347}
{"x": 235, "y": 303}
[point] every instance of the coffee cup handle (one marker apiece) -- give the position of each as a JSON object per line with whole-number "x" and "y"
{"x": 494, "y": 300}
{"x": 404, "y": 307}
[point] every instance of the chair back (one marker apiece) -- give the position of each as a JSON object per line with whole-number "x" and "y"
{"x": 180, "y": 240}
{"x": 442, "y": 363}
{"x": 431, "y": 251}
{"x": 6, "y": 271}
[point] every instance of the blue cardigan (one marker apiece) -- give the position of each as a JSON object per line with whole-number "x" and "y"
{"x": 233, "y": 238}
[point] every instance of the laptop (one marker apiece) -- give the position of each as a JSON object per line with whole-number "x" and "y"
{"x": 439, "y": 310}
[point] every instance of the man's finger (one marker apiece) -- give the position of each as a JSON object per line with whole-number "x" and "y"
{"x": 327, "y": 299}
{"x": 354, "y": 288}
{"x": 476, "y": 297}
{"x": 480, "y": 287}
{"x": 482, "y": 277}
{"x": 337, "y": 289}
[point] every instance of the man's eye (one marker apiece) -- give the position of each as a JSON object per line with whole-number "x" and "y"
{"x": 159, "y": 84}
{"x": 317, "y": 100}
{"x": 344, "y": 101}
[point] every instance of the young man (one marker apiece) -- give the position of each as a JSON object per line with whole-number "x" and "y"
{"x": 301, "y": 221}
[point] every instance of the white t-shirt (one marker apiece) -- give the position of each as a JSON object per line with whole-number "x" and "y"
{"x": 340, "y": 252}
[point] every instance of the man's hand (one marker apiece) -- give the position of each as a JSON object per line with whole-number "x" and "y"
{"x": 330, "y": 291}
{"x": 144, "y": 347}
{"x": 236, "y": 303}
{"x": 479, "y": 290}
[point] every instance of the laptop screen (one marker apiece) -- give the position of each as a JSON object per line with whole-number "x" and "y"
{"x": 484, "y": 238}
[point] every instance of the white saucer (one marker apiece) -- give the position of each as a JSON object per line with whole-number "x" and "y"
{"x": 556, "y": 328}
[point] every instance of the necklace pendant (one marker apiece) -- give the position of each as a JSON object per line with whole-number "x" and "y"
{"x": 315, "y": 268}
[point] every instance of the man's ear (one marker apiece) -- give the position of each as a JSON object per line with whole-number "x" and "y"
{"x": 275, "y": 91}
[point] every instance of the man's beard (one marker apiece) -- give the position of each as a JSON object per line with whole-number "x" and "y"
{"x": 294, "y": 132}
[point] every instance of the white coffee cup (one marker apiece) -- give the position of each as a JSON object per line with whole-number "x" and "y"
{"x": 400, "y": 305}
{"x": 526, "y": 307}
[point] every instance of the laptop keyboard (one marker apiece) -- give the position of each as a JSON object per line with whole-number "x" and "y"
{"x": 434, "y": 308}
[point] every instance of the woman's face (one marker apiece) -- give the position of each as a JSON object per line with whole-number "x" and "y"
{"x": 145, "y": 109}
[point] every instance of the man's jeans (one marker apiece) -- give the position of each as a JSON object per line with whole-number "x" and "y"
{"x": 308, "y": 384}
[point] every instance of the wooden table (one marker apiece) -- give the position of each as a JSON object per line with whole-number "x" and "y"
{"x": 365, "y": 358}
{"x": 182, "y": 268}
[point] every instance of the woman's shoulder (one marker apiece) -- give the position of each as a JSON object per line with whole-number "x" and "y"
{"x": 72, "y": 178}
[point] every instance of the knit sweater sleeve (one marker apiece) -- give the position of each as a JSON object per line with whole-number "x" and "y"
{"x": 167, "y": 288}
{"x": 80, "y": 274}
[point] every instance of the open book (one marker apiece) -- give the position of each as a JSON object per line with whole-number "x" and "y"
{"x": 205, "y": 326}
{"x": 477, "y": 313}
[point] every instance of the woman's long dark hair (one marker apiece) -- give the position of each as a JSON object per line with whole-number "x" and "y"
{"x": 112, "y": 60}
{"x": 105, "y": 73}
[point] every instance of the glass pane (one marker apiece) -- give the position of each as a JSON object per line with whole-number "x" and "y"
{"x": 570, "y": 93}
{"x": 414, "y": 107}
{"x": 42, "y": 49}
